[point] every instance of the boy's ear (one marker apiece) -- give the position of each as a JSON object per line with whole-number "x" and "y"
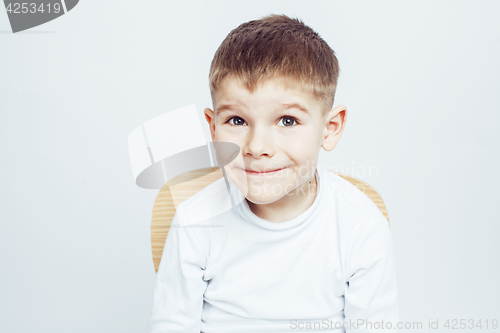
{"x": 334, "y": 127}
{"x": 210, "y": 117}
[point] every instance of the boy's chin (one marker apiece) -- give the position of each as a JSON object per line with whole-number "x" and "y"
{"x": 265, "y": 197}
{"x": 263, "y": 194}
{"x": 260, "y": 199}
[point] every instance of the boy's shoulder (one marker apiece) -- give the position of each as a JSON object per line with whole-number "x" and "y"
{"x": 352, "y": 205}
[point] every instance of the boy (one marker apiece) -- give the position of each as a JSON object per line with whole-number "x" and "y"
{"x": 304, "y": 249}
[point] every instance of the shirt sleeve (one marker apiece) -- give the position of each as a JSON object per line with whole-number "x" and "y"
{"x": 371, "y": 297}
{"x": 179, "y": 287}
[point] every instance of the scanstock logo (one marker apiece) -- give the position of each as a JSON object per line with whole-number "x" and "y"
{"x": 31, "y": 13}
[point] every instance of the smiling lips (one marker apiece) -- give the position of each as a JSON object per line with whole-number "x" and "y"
{"x": 262, "y": 173}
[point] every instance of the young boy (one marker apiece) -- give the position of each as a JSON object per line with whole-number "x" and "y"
{"x": 304, "y": 249}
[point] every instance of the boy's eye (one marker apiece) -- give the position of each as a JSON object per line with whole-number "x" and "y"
{"x": 288, "y": 121}
{"x": 237, "y": 121}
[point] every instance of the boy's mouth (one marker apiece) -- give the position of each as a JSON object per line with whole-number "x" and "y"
{"x": 262, "y": 173}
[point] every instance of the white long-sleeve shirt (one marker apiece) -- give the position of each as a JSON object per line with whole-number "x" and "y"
{"x": 239, "y": 273}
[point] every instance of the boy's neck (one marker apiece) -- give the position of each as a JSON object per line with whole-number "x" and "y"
{"x": 290, "y": 206}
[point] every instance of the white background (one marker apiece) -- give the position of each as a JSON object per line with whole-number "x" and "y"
{"x": 421, "y": 83}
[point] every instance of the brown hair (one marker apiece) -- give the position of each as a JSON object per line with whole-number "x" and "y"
{"x": 277, "y": 46}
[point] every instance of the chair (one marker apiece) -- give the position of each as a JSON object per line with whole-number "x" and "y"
{"x": 164, "y": 208}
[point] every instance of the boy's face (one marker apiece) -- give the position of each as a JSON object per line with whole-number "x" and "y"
{"x": 279, "y": 133}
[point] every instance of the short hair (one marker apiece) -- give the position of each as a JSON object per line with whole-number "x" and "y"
{"x": 277, "y": 46}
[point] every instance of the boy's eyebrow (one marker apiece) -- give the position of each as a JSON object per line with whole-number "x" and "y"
{"x": 283, "y": 106}
{"x": 294, "y": 106}
{"x": 225, "y": 107}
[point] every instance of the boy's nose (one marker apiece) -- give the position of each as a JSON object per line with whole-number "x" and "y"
{"x": 259, "y": 143}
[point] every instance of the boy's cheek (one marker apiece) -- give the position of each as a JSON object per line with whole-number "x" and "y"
{"x": 299, "y": 146}
{"x": 223, "y": 136}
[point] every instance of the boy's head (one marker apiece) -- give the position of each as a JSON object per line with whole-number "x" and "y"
{"x": 272, "y": 83}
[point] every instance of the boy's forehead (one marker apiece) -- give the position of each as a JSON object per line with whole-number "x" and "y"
{"x": 232, "y": 95}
